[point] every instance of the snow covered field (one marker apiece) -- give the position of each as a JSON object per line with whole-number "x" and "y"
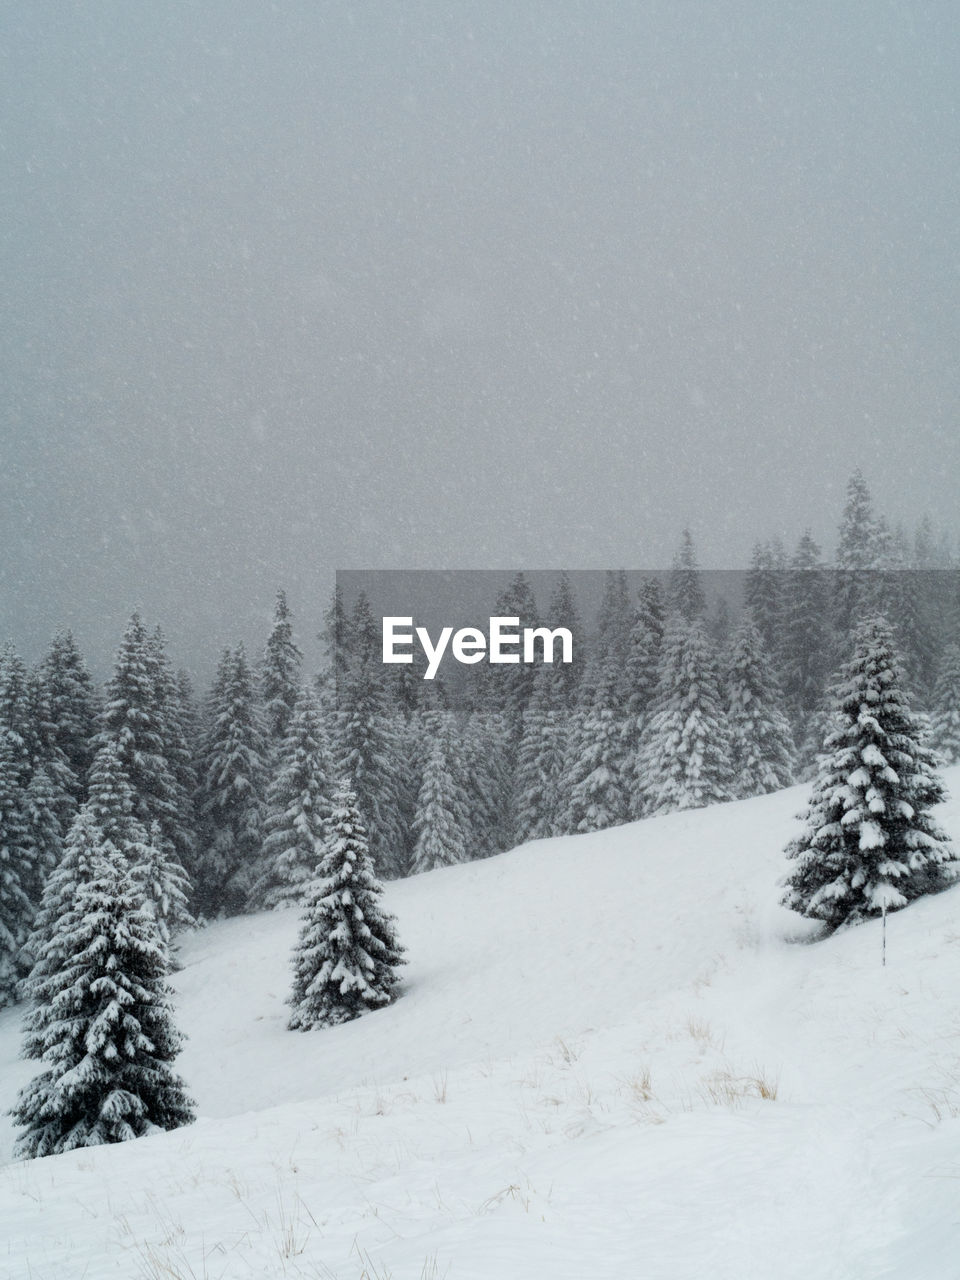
{"x": 613, "y": 1058}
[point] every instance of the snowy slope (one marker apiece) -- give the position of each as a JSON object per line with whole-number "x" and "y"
{"x": 577, "y": 1083}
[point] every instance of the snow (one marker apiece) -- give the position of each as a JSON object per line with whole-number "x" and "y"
{"x": 613, "y": 1057}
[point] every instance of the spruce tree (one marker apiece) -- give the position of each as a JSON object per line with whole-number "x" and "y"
{"x": 280, "y": 675}
{"x": 683, "y": 761}
{"x": 598, "y": 774}
{"x": 563, "y": 612}
{"x": 720, "y": 623}
{"x": 41, "y": 813}
{"x": 136, "y": 719}
{"x": 164, "y": 886}
{"x": 58, "y": 896}
{"x": 112, "y": 805}
{"x": 614, "y": 623}
{"x": 686, "y": 595}
{"x": 187, "y": 737}
{"x": 859, "y": 559}
{"x": 487, "y": 784}
{"x": 763, "y": 592}
{"x": 441, "y": 822}
{"x": 540, "y": 760}
{"x": 806, "y": 641}
{"x": 337, "y": 647}
{"x": 297, "y": 809}
{"x": 643, "y": 660}
{"x": 231, "y": 791}
{"x": 761, "y": 743}
{"x": 62, "y": 789}
{"x": 16, "y": 712}
{"x": 909, "y": 599}
{"x": 72, "y": 706}
{"x": 369, "y": 753}
{"x": 44, "y": 950}
{"x": 870, "y": 844}
{"x": 153, "y": 866}
{"x": 945, "y": 721}
{"x": 511, "y": 685}
{"x": 17, "y": 872}
{"x": 178, "y": 736}
{"x": 347, "y": 955}
{"x": 101, "y": 1020}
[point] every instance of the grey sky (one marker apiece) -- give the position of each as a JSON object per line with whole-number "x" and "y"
{"x": 302, "y": 286}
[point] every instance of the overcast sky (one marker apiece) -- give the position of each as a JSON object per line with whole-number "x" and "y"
{"x": 302, "y": 286}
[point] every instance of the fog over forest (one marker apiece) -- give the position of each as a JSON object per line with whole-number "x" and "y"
{"x": 418, "y": 285}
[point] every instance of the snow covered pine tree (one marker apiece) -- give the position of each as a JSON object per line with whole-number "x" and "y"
{"x": 346, "y": 957}
{"x": 945, "y": 721}
{"x": 17, "y": 870}
{"x": 298, "y": 801}
{"x": 761, "y": 742}
{"x": 232, "y": 786}
{"x": 441, "y": 822}
{"x": 101, "y": 1019}
{"x": 280, "y": 675}
{"x": 870, "y": 844}
{"x": 683, "y": 761}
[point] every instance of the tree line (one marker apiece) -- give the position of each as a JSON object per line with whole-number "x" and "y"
{"x": 128, "y": 814}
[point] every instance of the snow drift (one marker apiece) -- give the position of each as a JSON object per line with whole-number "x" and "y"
{"x": 613, "y": 1057}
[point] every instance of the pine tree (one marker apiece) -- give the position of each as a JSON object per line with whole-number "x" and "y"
{"x": 597, "y": 776}
{"x": 761, "y": 744}
{"x": 62, "y": 788}
{"x": 164, "y": 886}
{"x": 407, "y": 686}
{"x": 101, "y": 1020}
{"x": 870, "y": 844}
{"x": 945, "y": 721}
{"x": 686, "y": 595}
{"x": 16, "y": 713}
{"x": 511, "y": 685}
{"x": 44, "y": 950}
{"x": 540, "y": 760}
{"x": 106, "y": 815}
{"x": 111, "y": 804}
{"x": 149, "y": 858}
{"x": 806, "y": 640}
{"x": 177, "y": 722}
{"x": 643, "y": 660}
{"x": 369, "y": 753}
{"x": 441, "y": 821}
{"x": 487, "y": 784}
{"x": 563, "y": 612}
{"x": 40, "y": 811}
{"x": 684, "y": 757}
{"x": 17, "y": 872}
{"x": 909, "y": 598}
{"x": 859, "y": 555}
{"x": 614, "y": 624}
{"x": 365, "y": 633}
{"x": 297, "y": 809}
{"x": 280, "y": 675}
{"x": 720, "y": 623}
{"x": 337, "y": 645}
{"x": 187, "y": 746}
{"x": 135, "y": 718}
{"x": 764, "y": 591}
{"x": 346, "y": 958}
{"x": 72, "y": 706}
{"x": 231, "y": 791}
